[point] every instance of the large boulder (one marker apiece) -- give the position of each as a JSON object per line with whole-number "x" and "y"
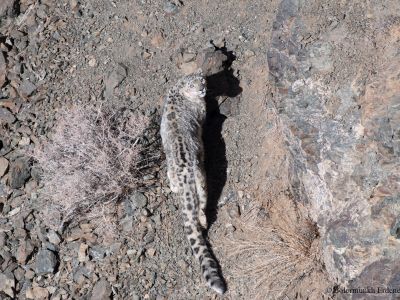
{"x": 340, "y": 105}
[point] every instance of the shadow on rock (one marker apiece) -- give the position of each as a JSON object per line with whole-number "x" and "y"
{"x": 222, "y": 83}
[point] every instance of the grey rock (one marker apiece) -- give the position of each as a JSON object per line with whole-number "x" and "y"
{"x": 187, "y": 57}
{"x": 46, "y": 262}
{"x": 127, "y": 224}
{"x": 6, "y": 116}
{"x": 349, "y": 187}
{"x": 26, "y": 88}
{"x": 19, "y": 172}
{"x": 7, "y": 284}
{"x": 135, "y": 296}
{"x": 170, "y": 8}
{"x": 101, "y": 291}
{"x": 6, "y": 7}
{"x": 54, "y": 237}
{"x": 129, "y": 207}
{"x": 139, "y": 200}
{"x": 97, "y": 252}
{"x": 2, "y": 238}
{"x": 114, "y": 79}
{"x": 3, "y": 68}
{"x": 81, "y": 273}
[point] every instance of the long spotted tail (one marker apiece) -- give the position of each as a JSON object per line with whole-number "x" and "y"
{"x": 209, "y": 266}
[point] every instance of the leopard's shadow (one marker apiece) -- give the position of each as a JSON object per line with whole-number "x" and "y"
{"x": 219, "y": 84}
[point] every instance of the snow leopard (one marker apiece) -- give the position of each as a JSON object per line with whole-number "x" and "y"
{"x": 182, "y": 121}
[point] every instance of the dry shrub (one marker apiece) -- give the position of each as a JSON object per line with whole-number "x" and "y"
{"x": 93, "y": 158}
{"x": 277, "y": 253}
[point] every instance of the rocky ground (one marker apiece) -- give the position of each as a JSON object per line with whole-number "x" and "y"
{"x": 302, "y": 145}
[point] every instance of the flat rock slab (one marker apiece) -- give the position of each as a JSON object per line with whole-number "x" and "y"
{"x": 46, "y": 262}
{"x": 19, "y": 173}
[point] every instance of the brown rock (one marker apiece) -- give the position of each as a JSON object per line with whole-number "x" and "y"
{"x": 189, "y": 67}
{"x": 3, "y": 68}
{"x": 82, "y": 252}
{"x": 210, "y": 61}
{"x": 157, "y": 40}
{"x": 25, "y": 248}
{"x": 37, "y": 293}
{"x": 3, "y": 166}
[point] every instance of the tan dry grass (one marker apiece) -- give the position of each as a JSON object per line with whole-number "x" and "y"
{"x": 276, "y": 253}
{"x": 92, "y": 159}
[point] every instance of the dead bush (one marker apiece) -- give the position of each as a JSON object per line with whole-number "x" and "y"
{"x": 93, "y": 158}
{"x": 278, "y": 252}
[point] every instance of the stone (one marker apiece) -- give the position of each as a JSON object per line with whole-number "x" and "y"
{"x": 82, "y": 251}
{"x": 127, "y": 224}
{"x": 157, "y": 40}
{"x": 14, "y": 211}
{"x": 234, "y": 212}
{"x": 46, "y": 262}
{"x": 92, "y": 62}
{"x": 29, "y": 274}
{"x": 24, "y": 250}
{"x": 37, "y": 293}
{"x": 189, "y": 67}
{"x": 248, "y": 53}
{"x": 3, "y": 166}
{"x": 7, "y": 284}
{"x": 97, "y": 252}
{"x": 3, "y": 68}
{"x": 145, "y": 212}
{"x": 210, "y": 61}
{"x": 6, "y": 117}
{"x": 139, "y": 200}
{"x": 19, "y": 273}
{"x": 101, "y": 290}
{"x": 54, "y": 237}
{"x": 146, "y": 54}
{"x": 3, "y": 238}
{"x": 25, "y": 141}
{"x": 151, "y": 252}
{"x": 114, "y": 79}
{"x": 187, "y": 57}
{"x": 170, "y": 8}
{"x": 343, "y": 142}
{"x": 6, "y": 8}
{"x": 73, "y": 4}
{"x": 26, "y": 88}
{"x": 19, "y": 173}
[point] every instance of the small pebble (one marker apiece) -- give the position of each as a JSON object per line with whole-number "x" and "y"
{"x": 151, "y": 252}
{"x": 92, "y": 62}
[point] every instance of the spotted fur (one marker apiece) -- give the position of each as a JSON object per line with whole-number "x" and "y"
{"x": 181, "y": 132}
